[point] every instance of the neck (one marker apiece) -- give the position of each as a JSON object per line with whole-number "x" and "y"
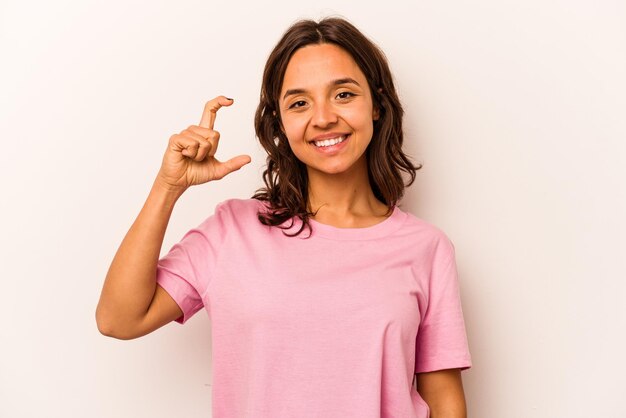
{"x": 345, "y": 199}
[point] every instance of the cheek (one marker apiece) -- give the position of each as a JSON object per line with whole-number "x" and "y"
{"x": 361, "y": 121}
{"x": 361, "y": 116}
{"x": 294, "y": 129}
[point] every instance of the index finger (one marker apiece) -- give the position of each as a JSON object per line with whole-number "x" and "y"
{"x": 211, "y": 108}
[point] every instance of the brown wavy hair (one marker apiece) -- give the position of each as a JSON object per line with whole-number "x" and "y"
{"x": 285, "y": 177}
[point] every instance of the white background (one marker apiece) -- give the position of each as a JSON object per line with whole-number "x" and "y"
{"x": 515, "y": 108}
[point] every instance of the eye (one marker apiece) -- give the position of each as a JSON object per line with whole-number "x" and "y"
{"x": 345, "y": 95}
{"x": 297, "y": 104}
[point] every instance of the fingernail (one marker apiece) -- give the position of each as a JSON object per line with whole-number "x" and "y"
{"x": 228, "y": 98}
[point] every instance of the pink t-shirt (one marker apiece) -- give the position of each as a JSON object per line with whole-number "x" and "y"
{"x": 334, "y": 325}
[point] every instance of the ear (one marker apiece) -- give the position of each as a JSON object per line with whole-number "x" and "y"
{"x": 375, "y": 113}
{"x": 376, "y": 107}
{"x": 280, "y": 122}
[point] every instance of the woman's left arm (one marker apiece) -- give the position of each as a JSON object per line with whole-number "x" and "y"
{"x": 443, "y": 392}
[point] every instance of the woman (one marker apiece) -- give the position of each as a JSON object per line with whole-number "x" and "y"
{"x": 325, "y": 299}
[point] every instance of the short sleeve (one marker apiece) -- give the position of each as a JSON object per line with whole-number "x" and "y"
{"x": 185, "y": 271}
{"x": 441, "y": 339}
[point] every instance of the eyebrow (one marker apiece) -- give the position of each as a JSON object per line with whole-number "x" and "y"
{"x": 338, "y": 82}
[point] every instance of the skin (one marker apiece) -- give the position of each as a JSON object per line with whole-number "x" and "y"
{"x": 313, "y": 104}
{"x": 132, "y": 304}
{"x": 443, "y": 391}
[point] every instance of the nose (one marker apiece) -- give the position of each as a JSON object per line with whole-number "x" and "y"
{"x": 323, "y": 115}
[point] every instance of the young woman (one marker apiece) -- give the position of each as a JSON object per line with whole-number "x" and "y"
{"x": 325, "y": 298}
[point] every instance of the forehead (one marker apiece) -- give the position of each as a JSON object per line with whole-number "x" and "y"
{"x": 317, "y": 65}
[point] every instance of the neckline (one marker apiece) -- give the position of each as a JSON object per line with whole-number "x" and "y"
{"x": 381, "y": 229}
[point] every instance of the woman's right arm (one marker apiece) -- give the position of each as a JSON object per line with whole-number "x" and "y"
{"x": 131, "y": 303}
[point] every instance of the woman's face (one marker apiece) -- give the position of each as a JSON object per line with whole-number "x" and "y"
{"x": 326, "y": 109}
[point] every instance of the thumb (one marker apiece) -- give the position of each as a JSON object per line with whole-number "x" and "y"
{"x": 234, "y": 164}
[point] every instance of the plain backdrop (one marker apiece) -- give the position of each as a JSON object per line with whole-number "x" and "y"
{"x": 516, "y": 109}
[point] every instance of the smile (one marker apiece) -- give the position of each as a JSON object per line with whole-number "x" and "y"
{"x": 330, "y": 141}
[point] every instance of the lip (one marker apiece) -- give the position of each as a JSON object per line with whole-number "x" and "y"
{"x": 332, "y": 149}
{"x": 328, "y": 136}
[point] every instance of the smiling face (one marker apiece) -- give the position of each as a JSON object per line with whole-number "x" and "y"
{"x": 326, "y": 110}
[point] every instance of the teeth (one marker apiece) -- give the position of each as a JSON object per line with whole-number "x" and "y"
{"x": 329, "y": 142}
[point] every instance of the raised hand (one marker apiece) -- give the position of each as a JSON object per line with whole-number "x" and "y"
{"x": 190, "y": 155}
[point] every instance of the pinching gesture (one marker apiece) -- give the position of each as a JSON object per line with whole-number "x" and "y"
{"x": 190, "y": 155}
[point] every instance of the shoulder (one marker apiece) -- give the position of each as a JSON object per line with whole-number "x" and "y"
{"x": 238, "y": 212}
{"x": 433, "y": 239}
{"x": 231, "y": 216}
{"x": 239, "y": 206}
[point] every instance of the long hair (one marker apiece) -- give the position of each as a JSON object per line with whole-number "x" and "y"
{"x": 285, "y": 177}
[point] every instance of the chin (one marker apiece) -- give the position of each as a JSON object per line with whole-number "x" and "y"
{"x": 332, "y": 170}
